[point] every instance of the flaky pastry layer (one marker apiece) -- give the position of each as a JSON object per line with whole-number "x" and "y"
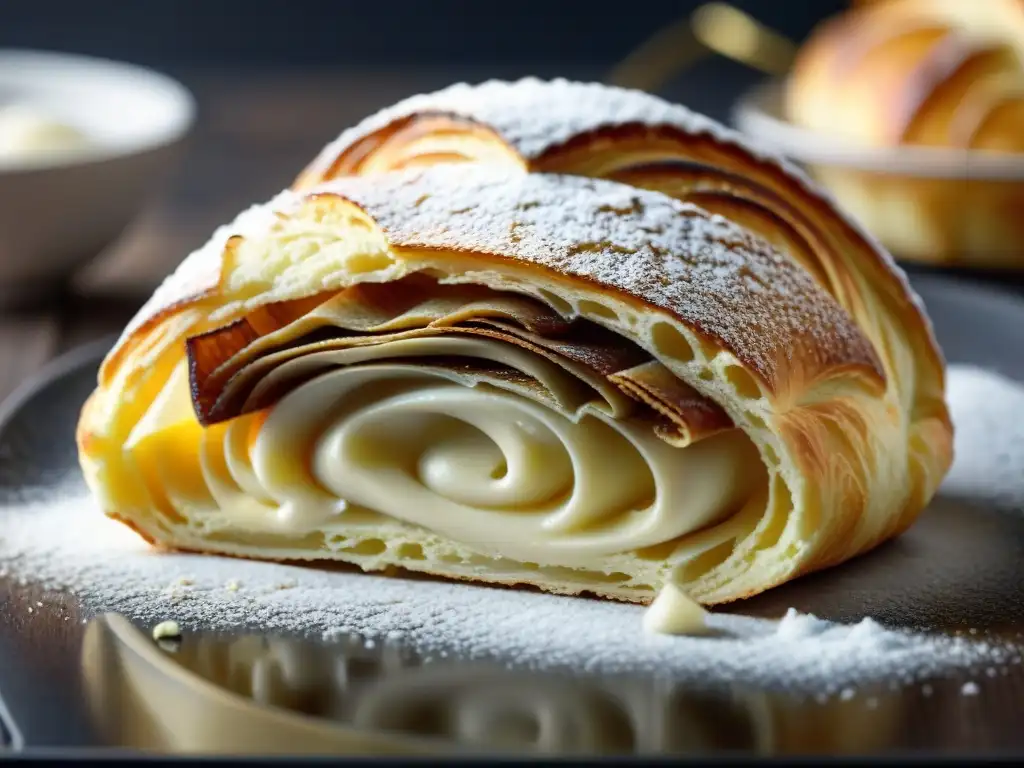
{"x": 605, "y": 132}
{"x": 510, "y": 376}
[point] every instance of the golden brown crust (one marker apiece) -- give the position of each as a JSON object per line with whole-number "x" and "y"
{"x": 946, "y": 75}
{"x": 555, "y": 125}
{"x": 739, "y": 199}
{"x": 594, "y": 130}
{"x": 356, "y": 156}
{"x": 730, "y": 288}
{"x": 646, "y": 247}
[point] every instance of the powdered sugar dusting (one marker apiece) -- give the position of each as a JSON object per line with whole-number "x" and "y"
{"x": 795, "y": 625}
{"x": 64, "y": 543}
{"x": 530, "y": 114}
{"x": 707, "y": 271}
{"x": 535, "y": 116}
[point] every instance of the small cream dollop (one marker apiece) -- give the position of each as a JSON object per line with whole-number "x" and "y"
{"x": 27, "y": 132}
{"x": 166, "y": 630}
{"x": 673, "y": 612}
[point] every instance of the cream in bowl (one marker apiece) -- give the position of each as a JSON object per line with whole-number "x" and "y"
{"x": 84, "y": 144}
{"x": 30, "y": 133}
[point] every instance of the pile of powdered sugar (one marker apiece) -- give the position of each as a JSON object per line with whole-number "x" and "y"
{"x": 987, "y": 409}
{"x": 62, "y": 542}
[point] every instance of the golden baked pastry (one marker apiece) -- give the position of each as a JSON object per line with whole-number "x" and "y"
{"x": 475, "y": 362}
{"x": 936, "y": 88}
{"x": 943, "y": 73}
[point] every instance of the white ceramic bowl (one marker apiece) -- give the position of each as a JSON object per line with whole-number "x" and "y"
{"x": 942, "y": 207}
{"x": 58, "y": 212}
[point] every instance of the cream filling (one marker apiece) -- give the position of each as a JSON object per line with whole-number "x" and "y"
{"x": 673, "y": 612}
{"x": 539, "y": 468}
{"x": 531, "y": 475}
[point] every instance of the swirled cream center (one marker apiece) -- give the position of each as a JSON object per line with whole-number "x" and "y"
{"x": 529, "y": 466}
{"x": 460, "y": 425}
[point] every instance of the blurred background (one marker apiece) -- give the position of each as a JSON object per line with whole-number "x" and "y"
{"x": 273, "y": 81}
{"x": 450, "y": 38}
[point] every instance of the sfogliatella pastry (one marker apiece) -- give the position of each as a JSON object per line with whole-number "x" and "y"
{"x": 921, "y": 106}
{"x": 501, "y": 371}
{"x": 943, "y": 73}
